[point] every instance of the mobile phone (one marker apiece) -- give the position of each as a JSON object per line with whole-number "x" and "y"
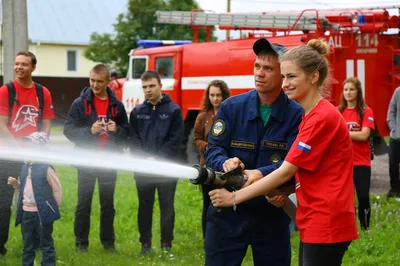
{"x": 103, "y": 119}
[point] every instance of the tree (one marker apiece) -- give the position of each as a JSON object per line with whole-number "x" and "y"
{"x": 137, "y": 24}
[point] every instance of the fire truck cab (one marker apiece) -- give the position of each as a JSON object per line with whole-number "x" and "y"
{"x": 360, "y": 46}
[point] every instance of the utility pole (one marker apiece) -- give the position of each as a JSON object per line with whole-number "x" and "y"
{"x": 14, "y": 34}
{"x": 228, "y": 9}
{"x": 7, "y": 37}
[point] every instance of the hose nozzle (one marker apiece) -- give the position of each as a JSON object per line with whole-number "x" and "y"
{"x": 234, "y": 178}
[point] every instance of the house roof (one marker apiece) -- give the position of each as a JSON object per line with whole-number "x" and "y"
{"x": 71, "y": 21}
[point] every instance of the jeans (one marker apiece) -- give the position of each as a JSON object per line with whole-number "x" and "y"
{"x": 146, "y": 187}
{"x": 86, "y": 183}
{"x": 31, "y": 231}
{"x": 322, "y": 254}
{"x": 394, "y": 161}
{"x": 7, "y": 168}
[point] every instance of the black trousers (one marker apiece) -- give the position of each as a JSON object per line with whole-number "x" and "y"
{"x": 86, "y": 183}
{"x": 7, "y": 168}
{"x": 362, "y": 183}
{"x": 206, "y": 203}
{"x": 394, "y": 161}
{"x": 146, "y": 186}
{"x": 322, "y": 254}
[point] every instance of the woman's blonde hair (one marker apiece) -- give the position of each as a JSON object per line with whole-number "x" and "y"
{"x": 311, "y": 58}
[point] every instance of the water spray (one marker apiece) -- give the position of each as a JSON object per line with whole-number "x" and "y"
{"x": 119, "y": 161}
{"x": 236, "y": 180}
{"x": 58, "y": 155}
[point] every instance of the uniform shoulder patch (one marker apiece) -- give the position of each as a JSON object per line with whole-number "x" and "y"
{"x": 218, "y": 127}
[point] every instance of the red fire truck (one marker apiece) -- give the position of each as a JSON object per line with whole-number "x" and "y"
{"x": 360, "y": 42}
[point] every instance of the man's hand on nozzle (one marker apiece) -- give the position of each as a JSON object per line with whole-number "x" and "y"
{"x": 252, "y": 176}
{"x": 232, "y": 163}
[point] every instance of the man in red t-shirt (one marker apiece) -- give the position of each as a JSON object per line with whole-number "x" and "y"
{"x": 24, "y": 121}
{"x": 96, "y": 120}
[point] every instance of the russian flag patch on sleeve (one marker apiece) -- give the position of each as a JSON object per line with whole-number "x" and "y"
{"x": 370, "y": 118}
{"x": 303, "y": 146}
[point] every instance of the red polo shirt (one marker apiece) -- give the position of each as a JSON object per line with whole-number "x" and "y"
{"x": 324, "y": 181}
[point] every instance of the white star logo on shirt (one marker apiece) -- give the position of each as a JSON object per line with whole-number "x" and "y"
{"x": 25, "y": 116}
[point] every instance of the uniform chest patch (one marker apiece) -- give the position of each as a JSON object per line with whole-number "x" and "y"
{"x": 242, "y": 144}
{"x": 218, "y": 127}
{"x": 275, "y": 145}
{"x": 275, "y": 158}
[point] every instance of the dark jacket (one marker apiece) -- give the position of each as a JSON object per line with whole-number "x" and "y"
{"x": 156, "y": 131}
{"x": 82, "y": 115}
{"x": 46, "y": 204}
{"x": 238, "y": 131}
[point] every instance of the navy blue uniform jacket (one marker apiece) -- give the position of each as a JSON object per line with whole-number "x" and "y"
{"x": 82, "y": 115}
{"x": 238, "y": 131}
{"x": 156, "y": 130}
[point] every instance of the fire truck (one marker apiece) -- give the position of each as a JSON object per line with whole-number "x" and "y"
{"x": 360, "y": 41}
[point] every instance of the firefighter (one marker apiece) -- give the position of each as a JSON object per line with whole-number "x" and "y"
{"x": 320, "y": 157}
{"x": 254, "y": 130}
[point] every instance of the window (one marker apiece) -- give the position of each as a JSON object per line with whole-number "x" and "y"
{"x": 138, "y": 67}
{"x": 72, "y": 60}
{"x": 165, "y": 66}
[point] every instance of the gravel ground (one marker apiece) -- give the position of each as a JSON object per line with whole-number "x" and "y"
{"x": 380, "y": 175}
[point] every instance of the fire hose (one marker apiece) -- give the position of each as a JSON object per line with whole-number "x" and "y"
{"x": 236, "y": 179}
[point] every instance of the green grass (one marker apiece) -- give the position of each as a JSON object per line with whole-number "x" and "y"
{"x": 380, "y": 246}
{"x": 57, "y": 129}
{"x": 387, "y": 138}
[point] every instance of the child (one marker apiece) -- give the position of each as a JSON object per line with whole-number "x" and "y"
{"x": 37, "y": 206}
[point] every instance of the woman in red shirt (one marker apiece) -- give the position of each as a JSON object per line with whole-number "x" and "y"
{"x": 319, "y": 157}
{"x": 216, "y": 92}
{"x": 360, "y": 121}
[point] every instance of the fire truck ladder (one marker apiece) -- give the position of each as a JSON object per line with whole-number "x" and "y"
{"x": 250, "y": 21}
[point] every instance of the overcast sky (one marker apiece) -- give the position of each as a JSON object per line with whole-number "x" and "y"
{"x": 240, "y": 6}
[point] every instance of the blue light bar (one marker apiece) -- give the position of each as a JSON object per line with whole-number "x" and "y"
{"x": 158, "y": 43}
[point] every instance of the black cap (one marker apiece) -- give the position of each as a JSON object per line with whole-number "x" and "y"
{"x": 114, "y": 73}
{"x": 264, "y": 44}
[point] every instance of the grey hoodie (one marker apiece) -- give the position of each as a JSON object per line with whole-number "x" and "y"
{"x": 393, "y": 115}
